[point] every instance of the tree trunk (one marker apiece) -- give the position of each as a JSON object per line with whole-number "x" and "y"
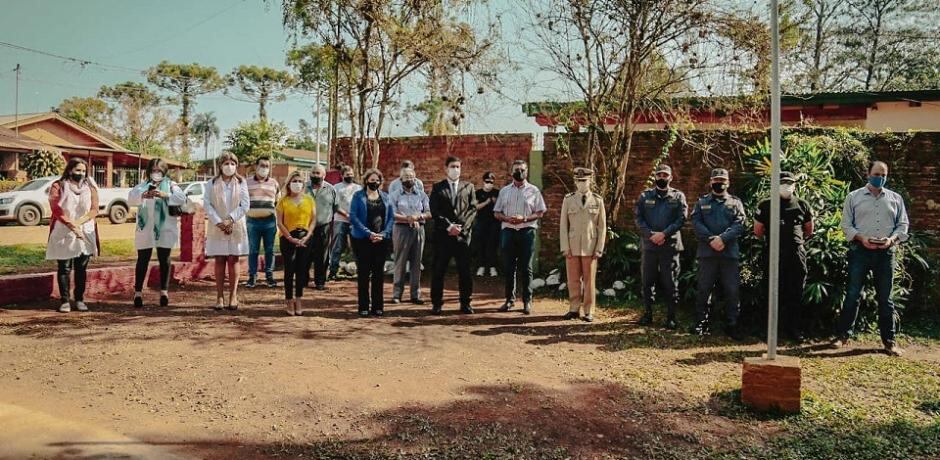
{"x": 184, "y": 120}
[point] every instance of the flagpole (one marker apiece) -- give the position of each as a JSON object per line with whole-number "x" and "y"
{"x": 773, "y": 285}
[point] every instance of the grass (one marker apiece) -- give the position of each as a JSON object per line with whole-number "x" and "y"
{"x": 31, "y": 258}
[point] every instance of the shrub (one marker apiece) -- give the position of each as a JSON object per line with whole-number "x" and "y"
{"x": 42, "y": 163}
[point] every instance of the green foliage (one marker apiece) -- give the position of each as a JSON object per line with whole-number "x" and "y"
{"x": 186, "y": 81}
{"x": 8, "y": 185}
{"x": 253, "y": 139}
{"x": 90, "y": 112}
{"x": 261, "y": 85}
{"x": 42, "y": 163}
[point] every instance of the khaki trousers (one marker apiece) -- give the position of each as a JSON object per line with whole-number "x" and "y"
{"x": 581, "y": 290}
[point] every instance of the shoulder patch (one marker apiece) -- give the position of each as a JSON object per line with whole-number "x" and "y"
{"x": 570, "y": 194}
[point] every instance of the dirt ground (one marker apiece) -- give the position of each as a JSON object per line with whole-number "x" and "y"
{"x": 194, "y": 383}
{"x": 12, "y": 233}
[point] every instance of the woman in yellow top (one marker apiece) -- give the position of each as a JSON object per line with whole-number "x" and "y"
{"x": 296, "y": 217}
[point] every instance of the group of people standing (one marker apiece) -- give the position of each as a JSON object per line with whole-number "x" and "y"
{"x": 314, "y": 219}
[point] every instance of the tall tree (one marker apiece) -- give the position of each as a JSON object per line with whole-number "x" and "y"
{"x": 139, "y": 119}
{"x": 205, "y": 127}
{"x": 262, "y": 85}
{"x": 187, "y": 82}
{"x": 252, "y": 139}
{"x": 90, "y": 112}
{"x": 817, "y": 57}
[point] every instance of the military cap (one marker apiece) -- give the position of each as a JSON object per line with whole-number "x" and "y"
{"x": 583, "y": 173}
{"x": 787, "y": 177}
{"x": 663, "y": 168}
{"x": 720, "y": 172}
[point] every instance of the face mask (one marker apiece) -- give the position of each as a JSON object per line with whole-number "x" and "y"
{"x": 316, "y": 180}
{"x": 156, "y": 176}
{"x": 348, "y": 179}
{"x": 373, "y": 186}
{"x": 408, "y": 183}
{"x": 786, "y": 191}
{"x": 877, "y": 181}
{"x": 487, "y": 186}
{"x": 263, "y": 172}
{"x": 453, "y": 173}
{"x": 662, "y": 183}
{"x": 518, "y": 175}
{"x": 228, "y": 169}
{"x": 77, "y": 177}
{"x": 296, "y": 187}
{"x": 719, "y": 187}
{"x": 583, "y": 186}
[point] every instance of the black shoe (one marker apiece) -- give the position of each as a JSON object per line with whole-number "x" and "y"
{"x": 588, "y": 319}
{"x": 320, "y": 287}
{"x": 250, "y": 284}
{"x": 436, "y": 310}
{"x": 734, "y": 332}
{"x": 466, "y": 309}
{"x": 272, "y": 283}
{"x": 699, "y": 328}
{"x": 396, "y": 300}
{"x": 571, "y": 315}
{"x": 506, "y": 306}
{"x": 164, "y": 301}
{"x": 647, "y": 318}
{"x": 527, "y": 308}
{"x": 331, "y": 277}
{"x": 417, "y": 301}
{"x": 671, "y": 324}
{"x": 138, "y": 302}
{"x": 363, "y": 313}
{"x": 378, "y": 312}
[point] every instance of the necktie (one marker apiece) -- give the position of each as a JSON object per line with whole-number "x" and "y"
{"x": 583, "y": 200}
{"x": 453, "y": 193}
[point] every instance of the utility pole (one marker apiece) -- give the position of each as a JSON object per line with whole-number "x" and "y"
{"x": 317, "y": 123}
{"x": 774, "y": 291}
{"x": 16, "y": 102}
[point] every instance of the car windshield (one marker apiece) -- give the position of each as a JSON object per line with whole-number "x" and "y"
{"x": 184, "y": 185}
{"x": 32, "y": 185}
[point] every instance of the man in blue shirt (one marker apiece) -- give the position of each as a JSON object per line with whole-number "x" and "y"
{"x": 718, "y": 219}
{"x": 412, "y": 210}
{"x": 874, "y": 221}
{"x": 660, "y": 213}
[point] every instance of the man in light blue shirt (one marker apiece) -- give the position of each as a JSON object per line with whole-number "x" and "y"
{"x": 874, "y": 221}
{"x": 396, "y": 186}
{"x": 412, "y": 209}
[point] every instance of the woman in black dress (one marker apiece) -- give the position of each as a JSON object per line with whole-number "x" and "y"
{"x": 486, "y": 228}
{"x": 371, "y": 219}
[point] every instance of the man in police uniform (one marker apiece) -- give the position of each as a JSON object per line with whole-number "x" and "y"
{"x": 583, "y": 236}
{"x": 796, "y": 225}
{"x": 660, "y": 213}
{"x": 718, "y": 219}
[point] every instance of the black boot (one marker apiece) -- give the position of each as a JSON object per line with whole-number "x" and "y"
{"x": 647, "y": 318}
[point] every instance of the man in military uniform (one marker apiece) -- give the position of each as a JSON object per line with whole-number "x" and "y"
{"x": 796, "y": 225}
{"x": 718, "y": 219}
{"x": 583, "y": 236}
{"x": 660, "y": 213}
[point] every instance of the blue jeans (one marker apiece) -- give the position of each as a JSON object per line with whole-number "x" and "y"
{"x": 880, "y": 263}
{"x": 261, "y": 230}
{"x": 518, "y": 247}
{"x": 340, "y": 241}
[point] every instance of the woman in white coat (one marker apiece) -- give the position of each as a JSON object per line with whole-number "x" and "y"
{"x": 73, "y": 233}
{"x": 226, "y": 202}
{"x": 157, "y": 226}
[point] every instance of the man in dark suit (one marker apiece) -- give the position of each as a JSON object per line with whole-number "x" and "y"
{"x": 453, "y": 207}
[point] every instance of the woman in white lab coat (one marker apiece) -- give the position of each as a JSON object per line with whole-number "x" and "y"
{"x": 158, "y": 200}
{"x": 226, "y": 202}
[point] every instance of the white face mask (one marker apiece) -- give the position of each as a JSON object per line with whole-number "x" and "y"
{"x": 228, "y": 169}
{"x": 453, "y": 173}
{"x": 786, "y": 191}
{"x": 583, "y": 186}
{"x": 156, "y": 176}
{"x": 487, "y": 187}
{"x": 263, "y": 172}
{"x": 296, "y": 187}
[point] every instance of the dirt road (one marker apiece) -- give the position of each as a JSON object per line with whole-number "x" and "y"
{"x": 11, "y": 234}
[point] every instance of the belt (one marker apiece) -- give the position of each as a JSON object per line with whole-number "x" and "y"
{"x": 524, "y": 229}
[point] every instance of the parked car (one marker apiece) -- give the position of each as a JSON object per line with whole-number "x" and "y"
{"x": 194, "y": 191}
{"x": 28, "y": 204}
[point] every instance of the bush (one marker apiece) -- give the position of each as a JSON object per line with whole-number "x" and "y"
{"x": 42, "y": 163}
{"x": 8, "y": 185}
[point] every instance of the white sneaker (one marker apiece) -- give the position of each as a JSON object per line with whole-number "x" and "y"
{"x": 493, "y": 273}
{"x": 65, "y": 308}
{"x": 481, "y": 271}
{"x": 81, "y": 306}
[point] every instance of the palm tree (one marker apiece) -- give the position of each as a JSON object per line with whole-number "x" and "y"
{"x": 205, "y": 127}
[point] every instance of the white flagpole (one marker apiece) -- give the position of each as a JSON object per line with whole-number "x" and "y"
{"x": 774, "y": 185}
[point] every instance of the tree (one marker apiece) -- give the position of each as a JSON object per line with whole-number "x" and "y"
{"x": 747, "y": 34}
{"x": 313, "y": 71}
{"x": 306, "y": 137}
{"x": 441, "y": 116}
{"x": 139, "y": 119}
{"x": 43, "y": 163}
{"x": 252, "y": 139}
{"x": 261, "y": 85}
{"x": 187, "y": 82}
{"x": 817, "y": 57}
{"x": 90, "y": 112}
{"x": 205, "y": 128}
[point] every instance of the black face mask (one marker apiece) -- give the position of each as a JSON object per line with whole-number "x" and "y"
{"x": 77, "y": 177}
{"x": 373, "y": 186}
{"x": 348, "y": 179}
{"x": 519, "y": 176}
{"x": 316, "y": 180}
{"x": 408, "y": 183}
{"x": 719, "y": 187}
{"x": 662, "y": 183}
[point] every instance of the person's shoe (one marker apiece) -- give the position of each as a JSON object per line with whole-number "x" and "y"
{"x": 138, "y": 302}
{"x": 699, "y": 328}
{"x": 481, "y": 271}
{"x": 250, "y": 284}
{"x": 320, "y": 287}
{"x": 65, "y": 307}
{"x": 571, "y": 315}
{"x": 506, "y": 306}
{"x": 527, "y": 308}
{"x": 892, "y": 349}
{"x": 493, "y": 273}
{"x": 363, "y": 313}
{"x": 647, "y": 318}
{"x": 331, "y": 277}
{"x": 80, "y": 306}
{"x": 396, "y": 300}
{"x": 838, "y": 343}
{"x": 588, "y": 318}
{"x": 436, "y": 310}
{"x": 734, "y": 332}
{"x": 671, "y": 324}
{"x": 378, "y": 313}
{"x": 164, "y": 301}
{"x": 417, "y": 301}
{"x": 466, "y": 309}
{"x": 272, "y": 283}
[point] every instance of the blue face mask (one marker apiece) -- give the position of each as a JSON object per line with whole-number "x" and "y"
{"x": 877, "y": 181}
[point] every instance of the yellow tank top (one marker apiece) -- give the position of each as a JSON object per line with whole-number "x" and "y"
{"x": 297, "y": 215}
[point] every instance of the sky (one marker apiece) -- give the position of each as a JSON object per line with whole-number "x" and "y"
{"x": 131, "y": 35}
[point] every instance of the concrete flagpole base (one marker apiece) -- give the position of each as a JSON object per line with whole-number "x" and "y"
{"x": 772, "y": 385}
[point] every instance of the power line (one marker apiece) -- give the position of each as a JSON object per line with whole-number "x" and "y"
{"x": 79, "y": 61}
